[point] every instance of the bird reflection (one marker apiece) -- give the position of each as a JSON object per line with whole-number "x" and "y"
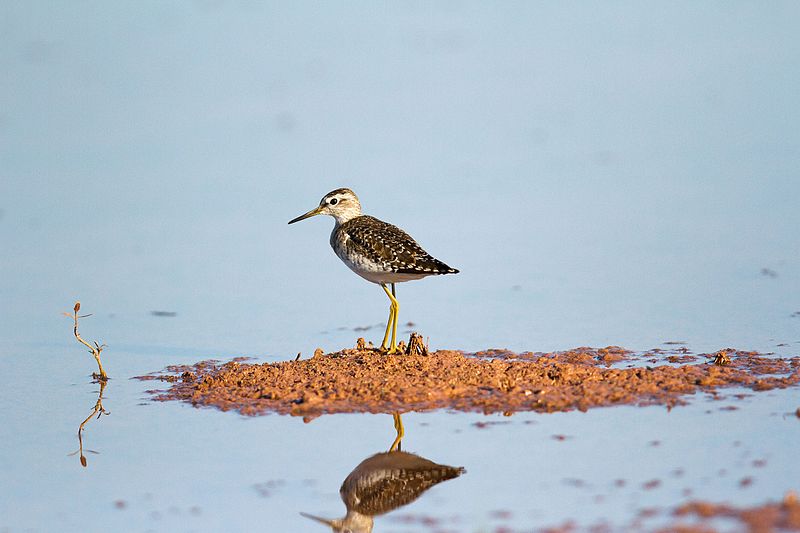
{"x": 384, "y": 482}
{"x": 97, "y": 410}
{"x": 398, "y": 427}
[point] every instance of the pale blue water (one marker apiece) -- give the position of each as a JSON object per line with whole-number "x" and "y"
{"x": 609, "y": 174}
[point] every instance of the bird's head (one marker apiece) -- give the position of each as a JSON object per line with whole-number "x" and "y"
{"x": 341, "y": 204}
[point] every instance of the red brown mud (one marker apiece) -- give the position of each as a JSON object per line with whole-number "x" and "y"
{"x": 771, "y": 516}
{"x": 698, "y": 516}
{"x": 363, "y": 379}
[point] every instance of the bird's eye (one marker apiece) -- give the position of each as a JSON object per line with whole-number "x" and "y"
{"x": 334, "y": 201}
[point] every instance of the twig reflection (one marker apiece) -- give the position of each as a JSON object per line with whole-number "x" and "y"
{"x": 97, "y": 410}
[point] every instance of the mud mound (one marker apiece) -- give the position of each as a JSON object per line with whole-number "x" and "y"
{"x": 364, "y": 380}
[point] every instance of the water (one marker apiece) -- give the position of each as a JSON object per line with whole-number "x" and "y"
{"x": 611, "y": 174}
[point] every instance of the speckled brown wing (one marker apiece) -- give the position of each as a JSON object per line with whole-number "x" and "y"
{"x": 390, "y": 247}
{"x": 390, "y": 480}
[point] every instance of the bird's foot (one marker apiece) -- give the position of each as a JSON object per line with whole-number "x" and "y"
{"x": 394, "y": 349}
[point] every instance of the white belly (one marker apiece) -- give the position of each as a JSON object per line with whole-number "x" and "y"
{"x": 385, "y": 277}
{"x": 372, "y": 271}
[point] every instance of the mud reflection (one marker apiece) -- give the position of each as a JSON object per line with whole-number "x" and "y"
{"x": 384, "y": 482}
{"x": 98, "y": 410}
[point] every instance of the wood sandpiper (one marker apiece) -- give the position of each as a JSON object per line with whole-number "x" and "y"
{"x": 375, "y": 250}
{"x": 381, "y": 484}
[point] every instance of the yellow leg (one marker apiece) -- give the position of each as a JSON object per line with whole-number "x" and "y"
{"x": 398, "y": 426}
{"x": 394, "y": 308}
{"x": 384, "y": 345}
{"x": 393, "y": 349}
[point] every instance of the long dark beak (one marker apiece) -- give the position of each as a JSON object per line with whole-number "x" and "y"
{"x": 315, "y": 211}
{"x": 325, "y": 521}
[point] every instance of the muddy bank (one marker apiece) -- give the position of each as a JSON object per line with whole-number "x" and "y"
{"x": 362, "y": 379}
{"x": 697, "y": 516}
{"x": 771, "y": 516}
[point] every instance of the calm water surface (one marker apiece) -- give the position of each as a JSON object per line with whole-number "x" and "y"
{"x": 612, "y": 174}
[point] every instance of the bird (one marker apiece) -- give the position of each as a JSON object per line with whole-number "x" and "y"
{"x": 377, "y": 251}
{"x": 382, "y": 483}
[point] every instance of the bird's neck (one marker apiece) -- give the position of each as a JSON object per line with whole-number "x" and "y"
{"x": 346, "y": 215}
{"x": 357, "y": 522}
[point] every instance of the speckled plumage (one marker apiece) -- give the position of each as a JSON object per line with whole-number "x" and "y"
{"x": 390, "y": 480}
{"x": 383, "y": 253}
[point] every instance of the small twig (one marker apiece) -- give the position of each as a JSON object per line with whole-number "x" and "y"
{"x": 721, "y": 358}
{"x": 94, "y": 350}
{"x": 416, "y": 346}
